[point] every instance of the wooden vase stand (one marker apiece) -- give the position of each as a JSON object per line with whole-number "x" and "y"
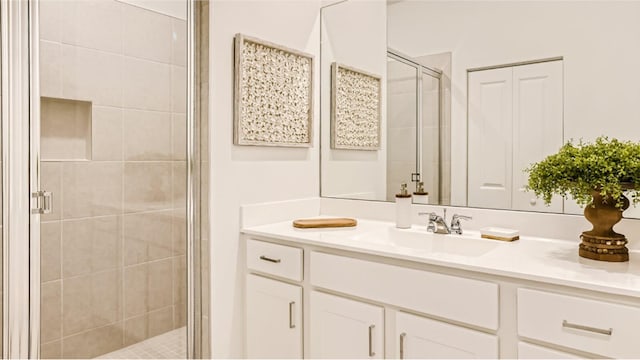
{"x": 601, "y": 248}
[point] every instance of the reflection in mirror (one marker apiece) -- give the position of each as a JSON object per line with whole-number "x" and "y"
{"x": 402, "y": 97}
{"x": 517, "y": 80}
{"x": 515, "y": 118}
{"x": 353, "y": 35}
{"x": 412, "y": 122}
{"x": 414, "y": 96}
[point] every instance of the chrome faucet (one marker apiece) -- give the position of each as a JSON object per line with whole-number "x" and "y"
{"x": 438, "y": 224}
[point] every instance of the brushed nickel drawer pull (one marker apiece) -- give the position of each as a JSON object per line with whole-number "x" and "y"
{"x": 569, "y": 325}
{"x": 402, "y": 337}
{"x": 371, "y": 352}
{"x": 292, "y": 325}
{"x": 269, "y": 259}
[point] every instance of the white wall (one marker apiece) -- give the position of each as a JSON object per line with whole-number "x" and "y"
{"x": 598, "y": 40}
{"x": 244, "y": 174}
{"x": 353, "y": 34}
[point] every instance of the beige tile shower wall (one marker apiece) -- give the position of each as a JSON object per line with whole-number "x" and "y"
{"x": 113, "y": 249}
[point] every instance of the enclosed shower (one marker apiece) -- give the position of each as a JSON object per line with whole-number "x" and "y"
{"x": 416, "y": 96}
{"x": 116, "y": 259}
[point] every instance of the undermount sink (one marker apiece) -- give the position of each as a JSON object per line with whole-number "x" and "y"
{"x": 423, "y": 241}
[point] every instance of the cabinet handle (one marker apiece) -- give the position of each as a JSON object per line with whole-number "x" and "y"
{"x": 566, "y": 324}
{"x": 269, "y": 259}
{"x": 371, "y": 352}
{"x": 402, "y": 336}
{"x": 292, "y": 325}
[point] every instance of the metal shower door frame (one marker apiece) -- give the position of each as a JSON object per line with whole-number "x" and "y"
{"x": 421, "y": 72}
{"x": 21, "y": 252}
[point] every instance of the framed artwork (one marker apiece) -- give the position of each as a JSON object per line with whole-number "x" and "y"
{"x": 273, "y": 94}
{"x": 355, "y": 109}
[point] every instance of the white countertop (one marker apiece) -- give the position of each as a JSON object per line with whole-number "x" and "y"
{"x": 536, "y": 259}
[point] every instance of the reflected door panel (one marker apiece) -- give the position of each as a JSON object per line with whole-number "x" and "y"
{"x": 490, "y": 128}
{"x": 537, "y": 127}
{"x": 515, "y": 119}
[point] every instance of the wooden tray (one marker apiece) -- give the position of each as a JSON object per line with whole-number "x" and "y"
{"x": 324, "y": 223}
{"x": 501, "y": 238}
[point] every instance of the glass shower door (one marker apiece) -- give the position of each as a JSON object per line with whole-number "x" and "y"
{"x": 430, "y": 137}
{"x": 402, "y": 113}
{"x": 113, "y": 140}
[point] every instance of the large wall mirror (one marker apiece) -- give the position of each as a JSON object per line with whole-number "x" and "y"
{"x": 471, "y": 93}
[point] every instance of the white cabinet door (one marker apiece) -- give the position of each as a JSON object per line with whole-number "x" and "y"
{"x": 345, "y": 329}
{"x": 537, "y": 127}
{"x": 421, "y": 338}
{"x": 490, "y": 136}
{"x": 274, "y": 319}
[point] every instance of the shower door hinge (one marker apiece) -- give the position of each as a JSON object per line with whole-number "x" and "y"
{"x": 41, "y": 202}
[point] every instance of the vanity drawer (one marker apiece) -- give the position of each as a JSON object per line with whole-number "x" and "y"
{"x": 530, "y": 351}
{"x": 469, "y": 301}
{"x": 274, "y": 259}
{"x": 597, "y": 327}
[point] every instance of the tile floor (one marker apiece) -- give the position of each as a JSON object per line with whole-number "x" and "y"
{"x": 170, "y": 345}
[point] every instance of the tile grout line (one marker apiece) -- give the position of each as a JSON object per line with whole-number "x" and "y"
{"x": 122, "y": 198}
{"x": 169, "y": 345}
{"x": 109, "y": 324}
{"x": 143, "y": 212}
{"x": 61, "y": 207}
{"x": 62, "y": 43}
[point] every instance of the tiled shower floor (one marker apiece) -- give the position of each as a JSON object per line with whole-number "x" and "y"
{"x": 170, "y": 345}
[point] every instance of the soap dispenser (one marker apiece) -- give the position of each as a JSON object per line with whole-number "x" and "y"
{"x": 403, "y": 208}
{"x": 420, "y": 196}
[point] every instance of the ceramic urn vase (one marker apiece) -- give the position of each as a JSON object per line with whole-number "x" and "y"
{"x": 602, "y": 242}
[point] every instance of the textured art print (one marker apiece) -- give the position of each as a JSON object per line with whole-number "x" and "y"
{"x": 273, "y": 94}
{"x": 355, "y": 109}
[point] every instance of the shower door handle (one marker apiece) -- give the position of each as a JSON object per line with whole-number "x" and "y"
{"x": 43, "y": 202}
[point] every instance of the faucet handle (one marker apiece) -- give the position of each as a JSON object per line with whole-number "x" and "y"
{"x": 455, "y": 223}
{"x": 456, "y": 217}
{"x": 432, "y": 216}
{"x": 431, "y": 226}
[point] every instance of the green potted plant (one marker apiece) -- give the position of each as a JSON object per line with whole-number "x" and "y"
{"x": 596, "y": 175}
